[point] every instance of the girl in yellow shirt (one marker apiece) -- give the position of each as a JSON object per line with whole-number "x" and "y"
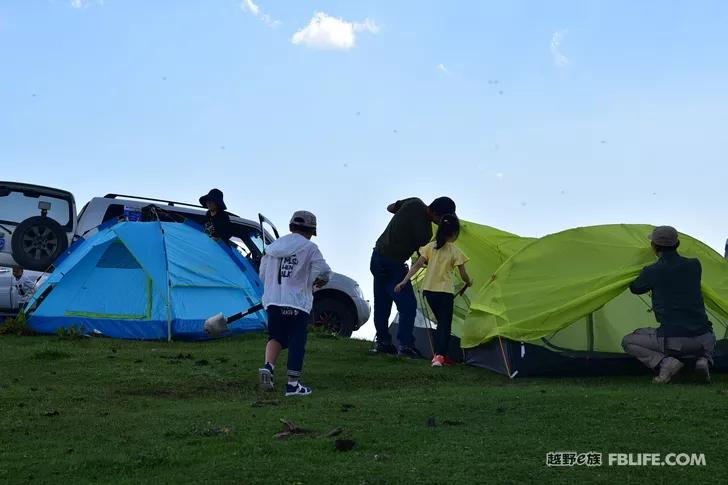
{"x": 441, "y": 257}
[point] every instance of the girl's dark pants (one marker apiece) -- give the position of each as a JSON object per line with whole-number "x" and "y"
{"x": 441, "y": 305}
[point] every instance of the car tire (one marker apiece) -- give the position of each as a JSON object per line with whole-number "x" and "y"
{"x": 37, "y": 242}
{"x": 334, "y": 315}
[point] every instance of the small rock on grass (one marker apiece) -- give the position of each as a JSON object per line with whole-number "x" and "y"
{"x": 452, "y": 422}
{"x": 262, "y": 402}
{"x": 344, "y": 445}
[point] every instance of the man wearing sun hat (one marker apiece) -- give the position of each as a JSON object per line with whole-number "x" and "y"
{"x": 677, "y": 302}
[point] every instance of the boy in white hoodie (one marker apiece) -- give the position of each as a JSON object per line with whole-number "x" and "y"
{"x": 290, "y": 269}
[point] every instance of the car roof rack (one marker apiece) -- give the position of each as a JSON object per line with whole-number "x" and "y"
{"x": 168, "y": 202}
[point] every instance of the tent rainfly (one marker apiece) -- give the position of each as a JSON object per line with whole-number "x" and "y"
{"x": 147, "y": 281}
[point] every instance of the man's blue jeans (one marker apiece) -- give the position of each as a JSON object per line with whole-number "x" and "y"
{"x": 387, "y": 273}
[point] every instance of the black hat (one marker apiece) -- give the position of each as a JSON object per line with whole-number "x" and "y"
{"x": 214, "y": 195}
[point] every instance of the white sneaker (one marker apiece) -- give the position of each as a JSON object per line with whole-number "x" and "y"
{"x": 669, "y": 367}
{"x": 297, "y": 390}
{"x": 265, "y": 379}
{"x": 702, "y": 368}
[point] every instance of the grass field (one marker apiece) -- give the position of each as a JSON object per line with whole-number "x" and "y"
{"x": 107, "y": 411}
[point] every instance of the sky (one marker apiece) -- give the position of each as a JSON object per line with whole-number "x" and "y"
{"x": 535, "y": 116}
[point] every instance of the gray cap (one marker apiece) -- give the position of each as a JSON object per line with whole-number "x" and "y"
{"x": 304, "y": 219}
{"x": 665, "y": 236}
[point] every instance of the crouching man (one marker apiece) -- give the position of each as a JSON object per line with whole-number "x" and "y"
{"x": 291, "y": 267}
{"x": 679, "y": 308}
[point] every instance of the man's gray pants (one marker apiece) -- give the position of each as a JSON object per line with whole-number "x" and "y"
{"x": 650, "y": 348}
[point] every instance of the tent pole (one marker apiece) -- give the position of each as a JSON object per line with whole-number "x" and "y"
{"x": 590, "y": 332}
{"x": 168, "y": 281}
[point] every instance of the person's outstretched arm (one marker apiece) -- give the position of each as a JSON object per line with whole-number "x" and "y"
{"x": 643, "y": 283}
{"x": 413, "y": 270}
{"x": 320, "y": 269}
{"x": 465, "y": 276}
{"x": 395, "y": 206}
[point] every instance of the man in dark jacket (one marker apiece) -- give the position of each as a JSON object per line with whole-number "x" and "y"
{"x": 409, "y": 229}
{"x": 217, "y": 225}
{"x": 677, "y": 301}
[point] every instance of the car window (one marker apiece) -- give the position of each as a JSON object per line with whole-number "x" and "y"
{"x": 248, "y": 240}
{"x": 114, "y": 211}
{"x": 15, "y": 207}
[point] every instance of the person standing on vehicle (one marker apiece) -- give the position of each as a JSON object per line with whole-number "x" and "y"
{"x": 677, "y": 301}
{"x": 217, "y": 224}
{"x": 409, "y": 230}
{"x": 291, "y": 267}
{"x": 23, "y": 287}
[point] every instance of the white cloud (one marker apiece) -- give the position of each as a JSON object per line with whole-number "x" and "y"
{"x": 251, "y": 7}
{"x": 85, "y": 3}
{"x": 257, "y": 12}
{"x": 442, "y": 69}
{"x": 560, "y": 60}
{"x": 326, "y": 32}
{"x": 499, "y": 175}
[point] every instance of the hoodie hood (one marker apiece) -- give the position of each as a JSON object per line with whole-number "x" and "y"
{"x": 287, "y": 245}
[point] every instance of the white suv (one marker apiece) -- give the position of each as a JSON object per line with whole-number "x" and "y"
{"x": 37, "y": 224}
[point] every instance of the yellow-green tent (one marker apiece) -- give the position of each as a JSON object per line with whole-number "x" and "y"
{"x": 565, "y": 294}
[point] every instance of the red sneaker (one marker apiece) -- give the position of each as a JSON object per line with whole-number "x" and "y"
{"x": 438, "y": 361}
{"x": 449, "y": 361}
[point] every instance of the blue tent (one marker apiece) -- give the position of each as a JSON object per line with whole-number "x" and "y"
{"x": 147, "y": 280}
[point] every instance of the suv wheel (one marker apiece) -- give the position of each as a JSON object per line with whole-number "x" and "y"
{"x": 37, "y": 242}
{"x": 334, "y": 316}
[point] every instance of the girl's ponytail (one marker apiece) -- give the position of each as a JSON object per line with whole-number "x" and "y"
{"x": 449, "y": 227}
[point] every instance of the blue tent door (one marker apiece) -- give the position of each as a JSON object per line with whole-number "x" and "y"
{"x": 116, "y": 288}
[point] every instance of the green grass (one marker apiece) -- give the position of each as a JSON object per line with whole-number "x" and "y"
{"x": 108, "y": 411}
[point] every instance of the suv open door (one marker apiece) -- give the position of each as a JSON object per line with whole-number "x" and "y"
{"x": 36, "y": 224}
{"x": 263, "y": 221}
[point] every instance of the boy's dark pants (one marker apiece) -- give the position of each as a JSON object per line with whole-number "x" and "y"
{"x": 441, "y": 305}
{"x": 289, "y": 327}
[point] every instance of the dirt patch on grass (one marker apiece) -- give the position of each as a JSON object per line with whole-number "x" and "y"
{"x": 49, "y": 354}
{"x": 219, "y": 388}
